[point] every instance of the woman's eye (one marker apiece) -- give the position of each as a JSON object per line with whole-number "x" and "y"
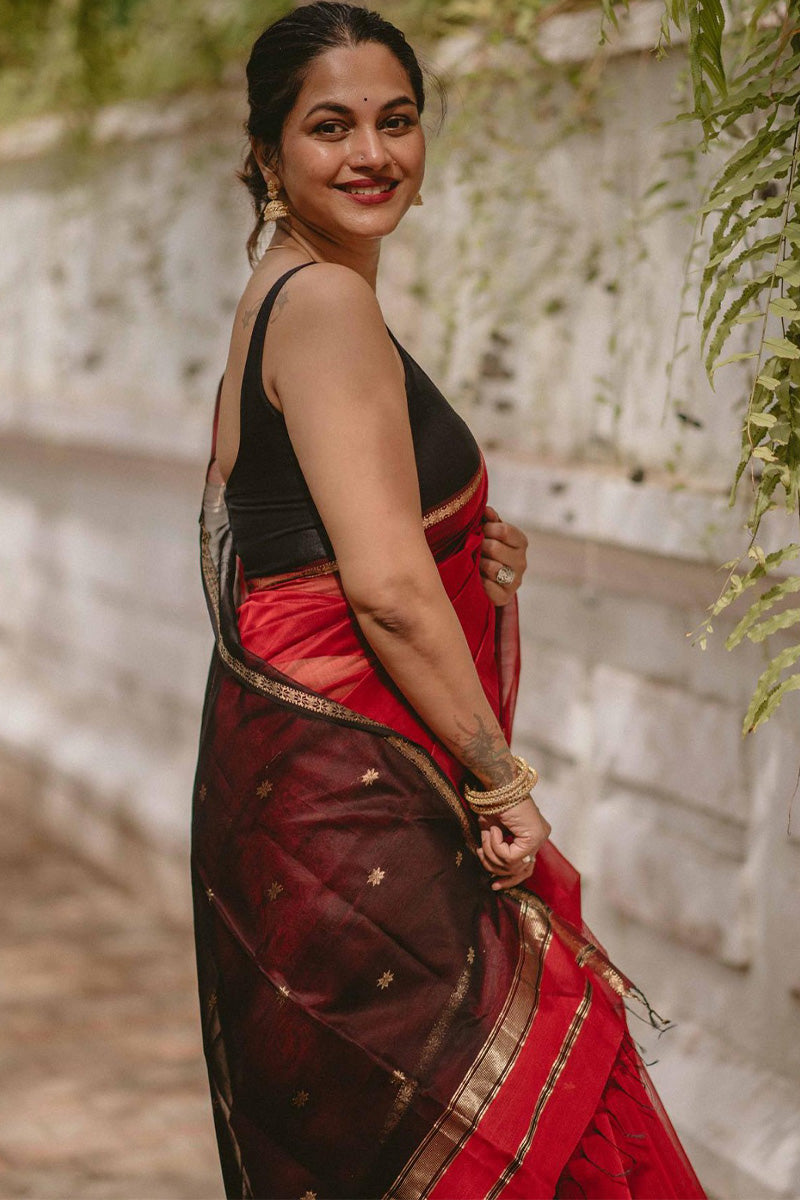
{"x": 401, "y": 122}
{"x": 329, "y": 127}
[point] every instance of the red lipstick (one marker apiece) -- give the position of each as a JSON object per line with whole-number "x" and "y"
{"x": 387, "y": 185}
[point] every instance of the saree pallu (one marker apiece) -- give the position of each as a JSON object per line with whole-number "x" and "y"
{"x": 377, "y": 1022}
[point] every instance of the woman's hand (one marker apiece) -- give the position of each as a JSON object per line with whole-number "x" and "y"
{"x": 503, "y": 546}
{"x": 504, "y": 859}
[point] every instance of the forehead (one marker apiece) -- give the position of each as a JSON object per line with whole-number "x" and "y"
{"x": 359, "y": 76}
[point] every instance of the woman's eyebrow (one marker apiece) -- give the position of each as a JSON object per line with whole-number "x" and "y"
{"x": 332, "y": 106}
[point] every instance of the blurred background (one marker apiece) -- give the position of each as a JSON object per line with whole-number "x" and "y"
{"x": 541, "y": 285}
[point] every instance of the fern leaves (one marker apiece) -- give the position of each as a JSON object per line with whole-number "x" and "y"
{"x": 749, "y": 295}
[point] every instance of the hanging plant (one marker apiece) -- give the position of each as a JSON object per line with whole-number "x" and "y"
{"x": 751, "y": 282}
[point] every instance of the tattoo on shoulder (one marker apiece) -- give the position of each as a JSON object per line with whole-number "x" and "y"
{"x": 249, "y": 314}
{"x": 281, "y": 300}
{"x": 486, "y": 752}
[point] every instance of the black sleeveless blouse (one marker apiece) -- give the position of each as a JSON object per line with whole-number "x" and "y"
{"x": 275, "y": 524}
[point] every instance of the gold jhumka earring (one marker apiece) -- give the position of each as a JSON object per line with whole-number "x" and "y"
{"x": 274, "y": 208}
{"x": 418, "y": 199}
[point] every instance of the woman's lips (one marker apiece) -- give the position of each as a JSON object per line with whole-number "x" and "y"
{"x": 373, "y": 191}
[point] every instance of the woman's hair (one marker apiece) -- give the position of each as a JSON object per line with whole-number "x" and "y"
{"x": 277, "y": 67}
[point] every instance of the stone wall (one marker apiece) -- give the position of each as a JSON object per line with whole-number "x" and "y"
{"x": 538, "y": 287}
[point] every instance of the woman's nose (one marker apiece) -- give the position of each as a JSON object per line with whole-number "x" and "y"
{"x": 368, "y": 149}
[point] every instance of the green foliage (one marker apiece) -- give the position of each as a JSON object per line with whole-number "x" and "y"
{"x": 59, "y": 56}
{"x": 751, "y": 281}
{"x": 72, "y": 55}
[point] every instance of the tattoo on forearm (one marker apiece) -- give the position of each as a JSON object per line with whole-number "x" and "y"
{"x": 486, "y": 753}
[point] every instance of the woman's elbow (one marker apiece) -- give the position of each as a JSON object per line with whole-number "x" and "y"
{"x": 395, "y": 602}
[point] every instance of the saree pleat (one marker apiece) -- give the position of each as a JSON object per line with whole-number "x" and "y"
{"x": 377, "y": 1021}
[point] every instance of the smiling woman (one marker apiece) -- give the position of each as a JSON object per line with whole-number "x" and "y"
{"x": 357, "y": 109}
{"x": 400, "y": 996}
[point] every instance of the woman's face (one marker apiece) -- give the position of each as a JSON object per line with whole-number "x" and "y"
{"x": 353, "y": 151}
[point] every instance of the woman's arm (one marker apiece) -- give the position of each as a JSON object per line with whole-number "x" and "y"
{"x": 341, "y": 387}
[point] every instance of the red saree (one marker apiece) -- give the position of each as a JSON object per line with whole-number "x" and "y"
{"x": 373, "y": 1029}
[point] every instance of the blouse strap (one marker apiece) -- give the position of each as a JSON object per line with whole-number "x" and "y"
{"x": 256, "y": 347}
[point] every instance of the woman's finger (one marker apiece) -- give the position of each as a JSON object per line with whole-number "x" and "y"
{"x": 498, "y": 594}
{"x": 498, "y": 841}
{"x": 495, "y": 848}
{"x": 511, "y": 880}
{"x": 492, "y": 857}
{"x": 492, "y": 862}
{"x": 516, "y": 851}
{"x": 500, "y": 551}
{"x": 504, "y": 532}
{"x": 493, "y": 869}
{"x": 490, "y": 566}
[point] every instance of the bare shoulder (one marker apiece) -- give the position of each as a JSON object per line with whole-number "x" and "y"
{"x": 335, "y": 298}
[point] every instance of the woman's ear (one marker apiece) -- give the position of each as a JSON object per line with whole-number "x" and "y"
{"x": 258, "y": 153}
{"x": 265, "y": 162}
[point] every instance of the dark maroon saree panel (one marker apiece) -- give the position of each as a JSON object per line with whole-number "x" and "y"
{"x": 378, "y": 1022}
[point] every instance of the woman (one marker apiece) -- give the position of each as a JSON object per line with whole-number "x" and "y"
{"x": 399, "y": 995}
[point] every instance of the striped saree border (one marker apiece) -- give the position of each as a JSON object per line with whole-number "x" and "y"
{"x": 490, "y": 1068}
{"x": 557, "y": 1069}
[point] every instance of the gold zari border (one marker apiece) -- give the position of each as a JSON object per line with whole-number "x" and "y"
{"x": 262, "y": 583}
{"x": 553, "y": 1077}
{"x": 429, "y": 1050}
{"x": 490, "y": 1069}
{"x": 443, "y": 511}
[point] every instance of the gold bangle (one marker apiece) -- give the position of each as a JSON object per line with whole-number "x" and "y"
{"x": 506, "y": 795}
{"x": 519, "y": 785}
{"x": 510, "y": 787}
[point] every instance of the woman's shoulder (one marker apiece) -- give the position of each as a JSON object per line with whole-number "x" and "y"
{"x": 332, "y": 299}
{"x": 323, "y": 281}
{"x": 330, "y": 286}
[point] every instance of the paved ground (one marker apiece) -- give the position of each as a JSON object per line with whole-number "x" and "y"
{"x": 103, "y": 1091}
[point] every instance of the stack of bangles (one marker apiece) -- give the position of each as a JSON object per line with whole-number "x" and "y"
{"x": 495, "y": 800}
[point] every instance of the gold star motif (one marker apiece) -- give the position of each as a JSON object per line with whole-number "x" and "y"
{"x": 399, "y": 1076}
{"x": 375, "y": 876}
{"x": 299, "y": 1099}
{"x": 274, "y": 890}
{"x": 385, "y": 979}
{"x": 210, "y": 893}
{"x": 459, "y": 857}
{"x": 203, "y": 792}
{"x": 370, "y": 776}
{"x": 471, "y": 955}
{"x": 309, "y": 1196}
{"x": 264, "y": 789}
